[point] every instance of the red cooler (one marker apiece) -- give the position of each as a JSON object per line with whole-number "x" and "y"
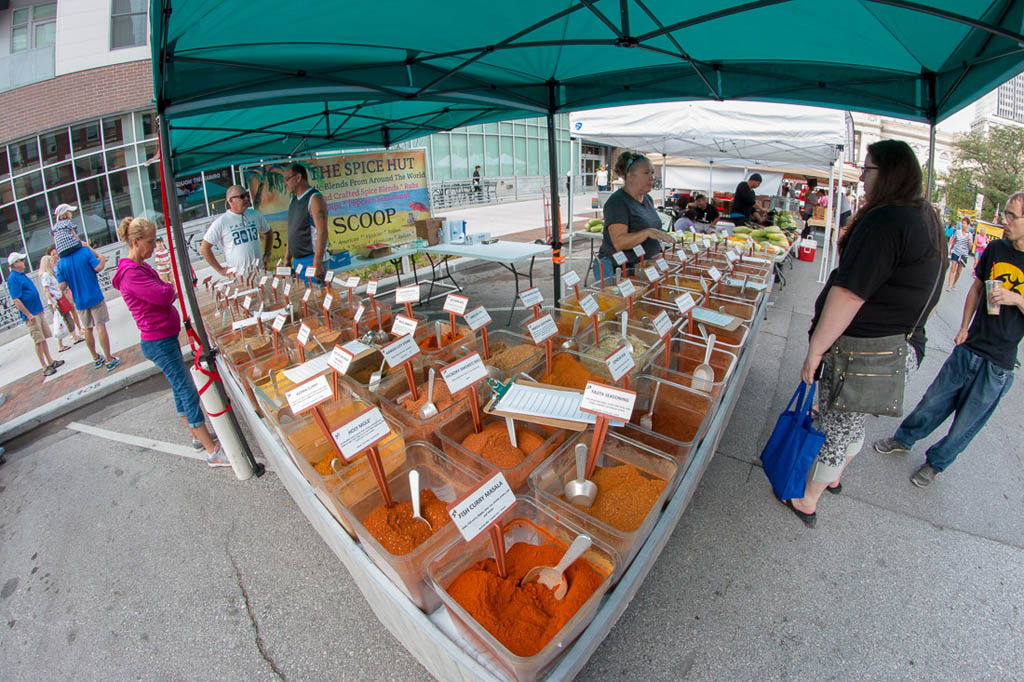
{"x": 808, "y": 248}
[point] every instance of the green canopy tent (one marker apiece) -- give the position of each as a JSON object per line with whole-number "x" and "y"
{"x": 238, "y": 81}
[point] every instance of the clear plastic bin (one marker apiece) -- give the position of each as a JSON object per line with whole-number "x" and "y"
{"x": 395, "y": 389}
{"x": 426, "y": 334}
{"x": 525, "y": 522}
{"x": 596, "y": 369}
{"x": 459, "y": 427}
{"x": 565, "y": 320}
{"x": 498, "y": 340}
{"x": 608, "y": 305}
{"x": 730, "y": 306}
{"x": 682, "y": 417}
{"x": 683, "y": 357}
{"x": 592, "y": 355}
{"x": 549, "y": 480}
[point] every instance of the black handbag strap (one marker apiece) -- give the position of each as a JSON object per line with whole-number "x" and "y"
{"x": 935, "y": 284}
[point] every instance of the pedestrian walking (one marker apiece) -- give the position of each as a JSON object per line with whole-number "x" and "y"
{"x": 959, "y": 248}
{"x": 59, "y": 301}
{"x": 26, "y": 299}
{"x": 78, "y": 272}
{"x": 151, "y": 303}
{"x": 979, "y": 372}
{"x": 162, "y": 258}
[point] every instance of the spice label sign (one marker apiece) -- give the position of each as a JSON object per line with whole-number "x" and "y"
{"x": 477, "y": 317}
{"x": 247, "y": 302}
{"x": 589, "y": 305}
{"x": 662, "y": 264}
{"x": 263, "y": 280}
{"x": 402, "y": 350}
{"x": 329, "y": 276}
{"x": 454, "y": 303}
{"x": 619, "y": 363}
{"x": 482, "y": 506}
{"x": 608, "y": 401}
{"x": 715, "y": 273}
{"x": 339, "y": 360}
{"x": 731, "y": 256}
{"x": 288, "y": 289}
{"x": 570, "y": 279}
{"x": 403, "y": 326}
{"x": 305, "y": 296}
{"x": 359, "y": 313}
{"x": 371, "y": 287}
{"x": 328, "y": 301}
{"x": 626, "y": 288}
{"x": 651, "y": 274}
{"x": 694, "y": 249}
{"x": 309, "y": 394}
{"x": 531, "y": 297}
{"x": 362, "y": 432}
{"x": 408, "y": 294}
{"x": 299, "y": 269}
{"x": 685, "y": 302}
{"x": 619, "y": 258}
{"x": 639, "y": 251}
{"x": 282, "y": 271}
{"x": 463, "y": 373}
{"x": 542, "y": 329}
{"x": 279, "y": 322}
{"x": 352, "y": 282}
{"x": 303, "y": 335}
{"x": 706, "y": 243}
{"x": 662, "y": 324}
{"x": 274, "y": 282}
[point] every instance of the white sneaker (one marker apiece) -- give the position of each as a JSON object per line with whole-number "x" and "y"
{"x": 217, "y": 458}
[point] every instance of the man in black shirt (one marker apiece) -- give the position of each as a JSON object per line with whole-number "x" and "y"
{"x": 979, "y": 372}
{"x": 744, "y": 200}
{"x": 705, "y": 212}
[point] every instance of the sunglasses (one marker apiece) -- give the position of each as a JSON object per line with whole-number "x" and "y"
{"x": 239, "y": 196}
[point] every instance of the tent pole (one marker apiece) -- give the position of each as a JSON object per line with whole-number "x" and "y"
{"x": 664, "y": 175}
{"x": 569, "y": 208}
{"x": 208, "y": 353}
{"x": 931, "y": 162}
{"x": 556, "y": 225}
{"x": 826, "y": 247}
{"x": 838, "y": 201}
{"x": 711, "y": 182}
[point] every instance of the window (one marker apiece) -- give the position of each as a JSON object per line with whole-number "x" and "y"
{"x": 127, "y": 23}
{"x": 33, "y": 27}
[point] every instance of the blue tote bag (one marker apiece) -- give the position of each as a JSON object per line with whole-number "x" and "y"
{"x": 789, "y": 453}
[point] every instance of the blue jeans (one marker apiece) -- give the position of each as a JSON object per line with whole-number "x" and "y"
{"x": 969, "y": 387}
{"x": 166, "y": 354}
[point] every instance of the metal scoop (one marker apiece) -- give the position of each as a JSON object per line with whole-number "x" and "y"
{"x": 581, "y": 491}
{"x": 703, "y": 374}
{"x": 414, "y": 495}
{"x": 554, "y": 577}
{"x": 429, "y": 409}
{"x": 375, "y": 378}
{"x": 647, "y": 421}
{"x": 569, "y": 342}
{"x": 624, "y": 319}
{"x": 703, "y": 330}
{"x": 437, "y": 334}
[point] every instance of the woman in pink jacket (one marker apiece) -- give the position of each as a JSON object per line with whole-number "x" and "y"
{"x": 151, "y": 302}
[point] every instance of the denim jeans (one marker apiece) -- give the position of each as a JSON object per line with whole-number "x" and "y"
{"x": 610, "y": 269}
{"x": 969, "y": 387}
{"x": 166, "y": 354}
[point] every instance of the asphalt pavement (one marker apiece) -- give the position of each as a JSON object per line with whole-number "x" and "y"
{"x": 127, "y": 562}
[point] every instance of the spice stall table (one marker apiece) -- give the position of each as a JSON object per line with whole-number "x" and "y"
{"x": 432, "y": 638}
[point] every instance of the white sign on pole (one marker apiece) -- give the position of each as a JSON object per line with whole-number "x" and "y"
{"x": 542, "y": 329}
{"x": 608, "y": 401}
{"x": 361, "y": 433}
{"x": 477, "y": 317}
{"x": 482, "y": 506}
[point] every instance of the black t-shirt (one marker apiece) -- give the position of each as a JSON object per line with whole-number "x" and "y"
{"x": 705, "y": 215}
{"x": 636, "y": 216}
{"x": 744, "y": 199}
{"x": 995, "y": 337}
{"x": 890, "y": 263}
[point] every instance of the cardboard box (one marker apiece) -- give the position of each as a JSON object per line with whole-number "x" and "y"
{"x": 430, "y": 230}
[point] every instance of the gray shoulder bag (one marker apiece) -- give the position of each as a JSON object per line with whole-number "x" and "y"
{"x": 869, "y": 374}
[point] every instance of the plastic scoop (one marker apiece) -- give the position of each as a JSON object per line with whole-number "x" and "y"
{"x": 510, "y": 424}
{"x": 580, "y": 490}
{"x": 429, "y": 409}
{"x": 376, "y": 377}
{"x": 624, "y": 321}
{"x": 554, "y": 577}
{"x": 647, "y": 421}
{"x": 414, "y": 495}
{"x": 703, "y": 374}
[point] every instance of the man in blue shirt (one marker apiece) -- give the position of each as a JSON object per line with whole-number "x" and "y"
{"x": 26, "y": 299}
{"x": 78, "y": 273}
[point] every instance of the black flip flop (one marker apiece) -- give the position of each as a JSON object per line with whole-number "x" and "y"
{"x": 835, "y": 491}
{"x": 78, "y": 341}
{"x": 64, "y": 348}
{"x": 809, "y": 519}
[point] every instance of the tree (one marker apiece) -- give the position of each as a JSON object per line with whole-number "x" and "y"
{"x": 994, "y": 162}
{"x": 959, "y": 190}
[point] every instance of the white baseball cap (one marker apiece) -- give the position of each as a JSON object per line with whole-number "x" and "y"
{"x": 15, "y": 257}
{"x": 62, "y": 209}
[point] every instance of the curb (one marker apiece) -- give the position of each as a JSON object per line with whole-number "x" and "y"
{"x": 78, "y": 398}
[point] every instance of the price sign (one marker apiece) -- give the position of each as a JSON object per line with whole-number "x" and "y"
{"x": 685, "y": 302}
{"x": 482, "y": 506}
{"x": 329, "y": 276}
{"x": 454, "y": 303}
{"x": 731, "y": 256}
{"x": 626, "y": 288}
{"x": 403, "y": 325}
{"x": 279, "y": 322}
{"x": 693, "y": 249}
{"x": 693, "y": 230}
{"x": 477, "y": 317}
{"x": 662, "y": 264}
{"x": 361, "y": 433}
{"x": 409, "y": 294}
{"x": 651, "y": 273}
{"x": 570, "y": 279}
{"x": 371, "y": 287}
{"x": 715, "y": 273}
{"x": 619, "y": 258}
{"x": 402, "y": 350}
{"x": 230, "y": 271}
{"x": 608, "y": 401}
{"x": 274, "y": 282}
{"x": 305, "y": 296}
{"x": 589, "y": 305}
{"x": 309, "y": 394}
{"x": 303, "y": 336}
{"x": 542, "y": 329}
{"x": 352, "y": 282}
{"x": 247, "y": 302}
{"x": 263, "y": 280}
{"x": 463, "y": 373}
{"x": 531, "y": 297}
{"x": 328, "y": 301}
{"x": 619, "y": 362}
{"x": 359, "y": 313}
{"x": 639, "y": 251}
{"x": 288, "y": 289}
{"x": 299, "y": 269}
{"x": 662, "y": 323}
{"x": 282, "y": 271}
{"x": 683, "y": 257}
{"x": 707, "y": 244}
{"x": 340, "y": 359}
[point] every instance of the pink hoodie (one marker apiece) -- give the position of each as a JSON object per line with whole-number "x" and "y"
{"x": 149, "y": 298}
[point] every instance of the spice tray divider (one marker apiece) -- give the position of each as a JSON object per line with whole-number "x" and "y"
{"x": 432, "y": 638}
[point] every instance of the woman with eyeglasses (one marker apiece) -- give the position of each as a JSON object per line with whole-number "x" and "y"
{"x": 630, "y": 219}
{"x": 891, "y": 261}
